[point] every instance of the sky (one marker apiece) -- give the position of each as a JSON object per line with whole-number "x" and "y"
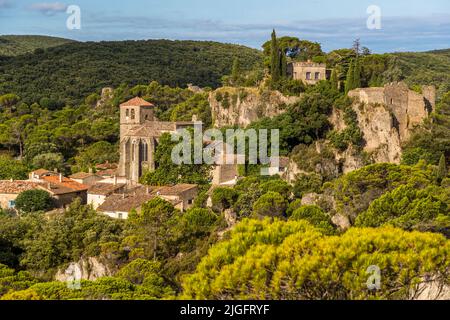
{"x": 406, "y": 25}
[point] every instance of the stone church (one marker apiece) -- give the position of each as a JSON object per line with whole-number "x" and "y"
{"x": 140, "y": 131}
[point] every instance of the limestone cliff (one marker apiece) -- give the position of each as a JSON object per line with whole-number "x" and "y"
{"x": 242, "y": 106}
{"x": 86, "y": 269}
{"x": 387, "y": 116}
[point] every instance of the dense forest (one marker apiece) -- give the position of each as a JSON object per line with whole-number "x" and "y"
{"x": 264, "y": 238}
{"x": 17, "y": 45}
{"x": 68, "y": 73}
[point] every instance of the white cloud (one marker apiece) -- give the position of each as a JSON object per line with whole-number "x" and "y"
{"x": 48, "y": 8}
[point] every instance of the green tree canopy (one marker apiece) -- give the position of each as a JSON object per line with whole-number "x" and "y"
{"x": 295, "y": 261}
{"x": 34, "y": 201}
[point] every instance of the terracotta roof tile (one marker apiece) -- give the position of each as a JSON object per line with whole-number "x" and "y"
{"x": 105, "y": 188}
{"x": 176, "y": 190}
{"x": 133, "y": 199}
{"x": 137, "y": 102}
{"x": 40, "y": 172}
{"x": 66, "y": 186}
{"x": 17, "y": 186}
{"x": 107, "y": 172}
{"x": 82, "y": 175}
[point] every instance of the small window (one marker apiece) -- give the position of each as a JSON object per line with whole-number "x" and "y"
{"x": 11, "y": 204}
{"x": 308, "y": 76}
{"x": 133, "y": 114}
{"x": 127, "y": 113}
{"x": 190, "y": 201}
{"x": 317, "y": 75}
{"x": 120, "y": 215}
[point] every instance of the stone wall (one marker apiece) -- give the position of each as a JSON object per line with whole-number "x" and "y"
{"x": 387, "y": 116}
{"x": 299, "y": 70}
{"x": 5, "y": 198}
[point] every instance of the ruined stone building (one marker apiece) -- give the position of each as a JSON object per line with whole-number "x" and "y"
{"x": 387, "y": 116}
{"x": 308, "y": 72}
{"x": 140, "y": 131}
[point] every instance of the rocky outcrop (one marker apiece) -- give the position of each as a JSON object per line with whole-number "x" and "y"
{"x": 241, "y": 106}
{"x": 387, "y": 116}
{"x": 86, "y": 269}
{"x": 107, "y": 94}
{"x": 432, "y": 289}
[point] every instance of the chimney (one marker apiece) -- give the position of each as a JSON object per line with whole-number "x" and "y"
{"x": 12, "y": 179}
{"x": 148, "y": 190}
{"x": 60, "y": 177}
{"x": 115, "y": 180}
{"x": 90, "y": 170}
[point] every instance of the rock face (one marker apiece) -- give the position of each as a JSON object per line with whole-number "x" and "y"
{"x": 433, "y": 289}
{"x": 242, "y": 106}
{"x": 85, "y": 269}
{"x": 107, "y": 94}
{"x": 386, "y": 117}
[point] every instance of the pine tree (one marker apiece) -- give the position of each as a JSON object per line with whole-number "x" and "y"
{"x": 357, "y": 75}
{"x": 350, "y": 77}
{"x": 235, "y": 72}
{"x": 442, "y": 169}
{"x": 334, "y": 79}
{"x": 275, "y": 60}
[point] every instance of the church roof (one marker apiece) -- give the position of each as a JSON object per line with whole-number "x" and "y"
{"x": 137, "y": 102}
{"x": 142, "y": 131}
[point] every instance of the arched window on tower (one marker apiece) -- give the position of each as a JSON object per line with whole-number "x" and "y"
{"x": 144, "y": 150}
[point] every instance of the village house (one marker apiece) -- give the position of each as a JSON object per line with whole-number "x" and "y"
{"x": 107, "y": 169}
{"x": 308, "y": 72}
{"x": 88, "y": 179}
{"x": 99, "y": 192}
{"x": 10, "y": 189}
{"x": 118, "y": 206}
{"x": 63, "y": 190}
{"x": 183, "y": 194}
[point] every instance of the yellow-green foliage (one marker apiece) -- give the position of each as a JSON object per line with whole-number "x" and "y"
{"x": 294, "y": 260}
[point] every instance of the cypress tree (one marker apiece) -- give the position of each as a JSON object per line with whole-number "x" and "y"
{"x": 357, "y": 75}
{"x": 334, "y": 79}
{"x": 350, "y": 76}
{"x": 275, "y": 60}
{"x": 235, "y": 71}
{"x": 442, "y": 169}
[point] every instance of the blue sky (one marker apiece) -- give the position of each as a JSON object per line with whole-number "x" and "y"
{"x": 407, "y": 25}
